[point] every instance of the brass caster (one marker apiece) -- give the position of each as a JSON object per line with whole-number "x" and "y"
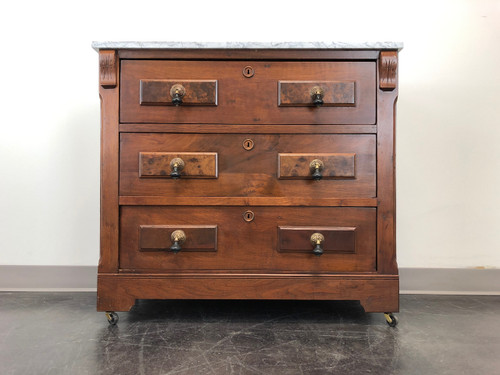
{"x": 391, "y": 319}
{"x": 112, "y": 317}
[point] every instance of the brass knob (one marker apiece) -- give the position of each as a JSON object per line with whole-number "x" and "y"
{"x": 316, "y": 166}
{"x": 178, "y": 237}
{"x": 177, "y": 92}
{"x": 316, "y": 240}
{"x": 317, "y": 94}
{"x": 176, "y": 165}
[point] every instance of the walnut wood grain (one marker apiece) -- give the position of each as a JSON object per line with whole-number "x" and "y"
{"x": 298, "y": 93}
{"x": 198, "y": 237}
{"x": 247, "y": 100}
{"x": 196, "y": 164}
{"x": 252, "y": 173}
{"x": 297, "y": 166}
{"x": 249, "y": 261}
{"x": 303, "y": 201}
{"x": 157, "y": 92}
{"x": 249, "y": 129}
{"x": 297, "y": 239}
{"x": 245, "y": 245}
{"x": 376, "y": 294}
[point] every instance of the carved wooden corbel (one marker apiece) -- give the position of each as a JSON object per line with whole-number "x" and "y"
{"x": 107, "y": 69}
{"x": 388, "y": 66}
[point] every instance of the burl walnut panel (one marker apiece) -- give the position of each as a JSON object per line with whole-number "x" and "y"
{"x": 252, "y": 100}
{"x": 196, "y": 164}
{"x": 158, "y": 92}
{"x": 251, "y": 246}
{"x": 339, "y": 166}
{"x": 335, "y": 94}
{"x": 253, "y": 173}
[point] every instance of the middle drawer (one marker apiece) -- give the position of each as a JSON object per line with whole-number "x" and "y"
{"x": 248, "y": 165}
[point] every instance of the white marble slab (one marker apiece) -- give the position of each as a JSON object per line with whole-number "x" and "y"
{"x": 249, "y": 45}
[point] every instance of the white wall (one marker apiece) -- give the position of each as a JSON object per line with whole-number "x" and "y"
{"x": 448, "y": 130}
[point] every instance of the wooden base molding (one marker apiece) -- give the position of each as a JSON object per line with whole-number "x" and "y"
{"x": 118, "y": 292}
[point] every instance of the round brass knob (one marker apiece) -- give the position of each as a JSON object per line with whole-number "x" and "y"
{"x": 176, "y": 165}
{"x": 317, "y": 94}
{"x": 316, "y": 240}
{"x": 177, "y": 92}
{"x": 178, "y": 237}
{"x": 316, "y": 166}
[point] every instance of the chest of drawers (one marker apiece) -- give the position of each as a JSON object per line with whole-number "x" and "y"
{"x": 247, "y": 172}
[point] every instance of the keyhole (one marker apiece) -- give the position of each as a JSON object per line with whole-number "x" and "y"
{"x": 248, "y": 216}
{"x": 248, "y": 71}
{"x": 248, "y": 144}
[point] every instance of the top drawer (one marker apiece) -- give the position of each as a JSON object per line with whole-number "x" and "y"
{"x": 248, "y": 92}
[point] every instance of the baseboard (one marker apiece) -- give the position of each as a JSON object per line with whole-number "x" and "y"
{"x": 411, "y": 281}
{"x": 48, "y": 278}
{"x": 449, "y": 281}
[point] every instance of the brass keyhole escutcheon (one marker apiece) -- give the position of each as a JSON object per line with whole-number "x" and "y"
{"x": 248, "y": 144}
{"x": 248, "y": 216}
{"x": 248, "y": 71}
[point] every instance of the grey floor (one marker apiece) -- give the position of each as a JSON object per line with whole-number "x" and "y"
{"x": 60, "y": 333}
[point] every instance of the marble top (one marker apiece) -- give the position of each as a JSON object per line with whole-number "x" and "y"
{"x": 249, "y": 45}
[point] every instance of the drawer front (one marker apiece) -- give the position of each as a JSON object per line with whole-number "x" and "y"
{"x": 218, "y": 92}
{"x": 223, "y": 238}
{"x": 219, "y": 165}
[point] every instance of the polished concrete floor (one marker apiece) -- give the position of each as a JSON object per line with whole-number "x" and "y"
{"x": 60, "y": 333}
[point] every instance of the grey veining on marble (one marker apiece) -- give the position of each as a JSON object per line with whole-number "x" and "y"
{"x": 248, "y": 45}
{"x": 61, "y": 333}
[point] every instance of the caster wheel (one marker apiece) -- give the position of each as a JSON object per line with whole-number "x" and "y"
{"x": 391, "y": 319}
{"x": 112, "y": 317}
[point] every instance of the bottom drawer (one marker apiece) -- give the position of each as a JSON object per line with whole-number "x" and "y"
{"x": 249, "y": 239}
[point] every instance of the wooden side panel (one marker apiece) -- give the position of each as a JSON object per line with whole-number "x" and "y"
{"x": 299, "y": 93}
{"x": 337, "y": 239}
{"x": 158, "y": 237}
{"x": 334, "y": 165}
{"x": 157, "y": 92}
{"x": 196, "y": 164}
{"x": 386, "y": 166}
{"x": 109, "y": 95}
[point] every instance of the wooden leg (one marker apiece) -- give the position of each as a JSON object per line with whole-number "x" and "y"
{"x": 111, "y": 299}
